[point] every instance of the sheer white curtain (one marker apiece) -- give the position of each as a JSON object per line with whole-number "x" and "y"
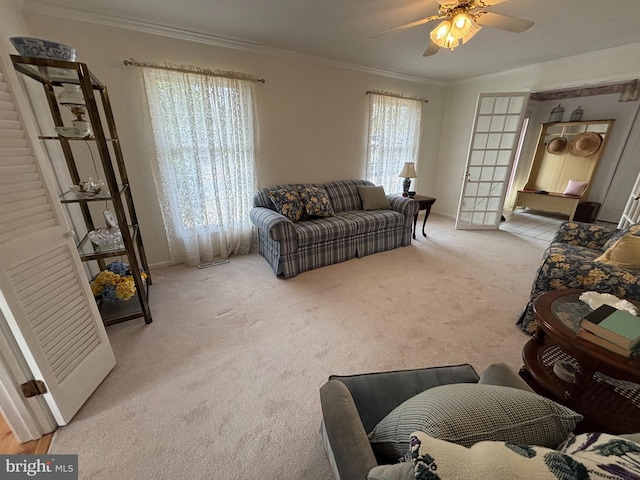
{"x": 203, "y": 127}
{"x": 394, "y": 138}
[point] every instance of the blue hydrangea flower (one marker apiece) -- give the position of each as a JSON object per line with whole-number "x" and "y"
{"x": 109, "y": 293}
{"x": 118, "y": 268}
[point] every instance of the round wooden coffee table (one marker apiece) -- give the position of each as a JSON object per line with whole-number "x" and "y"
{"x": 606, "y": 386}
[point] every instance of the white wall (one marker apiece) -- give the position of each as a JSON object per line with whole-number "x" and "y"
{"x": 312, "y": 117}
{"x": 616, "y": 64}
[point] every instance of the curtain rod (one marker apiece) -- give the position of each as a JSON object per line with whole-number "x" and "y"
{"x": 202, "y": 71}
{"x": 396, "y": 95}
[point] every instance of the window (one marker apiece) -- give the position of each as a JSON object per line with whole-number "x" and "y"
{"x": 394, "y": 138}
{"x": 205, "y": 169}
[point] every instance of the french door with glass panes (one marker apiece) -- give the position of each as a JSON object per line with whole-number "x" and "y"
{"x": 495, "y": 136}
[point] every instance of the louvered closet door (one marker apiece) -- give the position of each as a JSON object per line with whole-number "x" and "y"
{"x": 45, "y": 294}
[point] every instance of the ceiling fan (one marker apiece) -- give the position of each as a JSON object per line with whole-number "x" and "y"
{"x": 461, "y": 20}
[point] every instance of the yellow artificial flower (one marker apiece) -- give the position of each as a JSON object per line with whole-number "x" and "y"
{"x": 126, "y": 288}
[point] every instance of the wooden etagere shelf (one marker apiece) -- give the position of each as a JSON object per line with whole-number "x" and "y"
{"x": 52, "y": 74}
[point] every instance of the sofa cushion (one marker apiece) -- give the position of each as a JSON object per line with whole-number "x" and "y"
{"x": 624, "y": 253}
{"x": 316, "y": 201}
{"x": 288, "y": 203}
{"x": 567, "y": 253}
{"x": 375, "y": 220}
{"x": 376, "y": 394}
{"x": 502, "y": 374}
{"x": 470, "y": 413}
{"x": 344, "y": 195}
{"x": 373, "y": 198}
{"x": 591, "y": 455}
{"x": 321, "y": 230}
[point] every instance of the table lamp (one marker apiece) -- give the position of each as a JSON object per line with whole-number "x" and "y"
{"x": 408, "y": 172}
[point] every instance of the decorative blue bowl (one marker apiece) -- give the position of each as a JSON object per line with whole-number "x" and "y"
{"x": 36, "y": 47}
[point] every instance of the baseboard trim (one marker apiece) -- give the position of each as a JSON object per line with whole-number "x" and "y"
{"x": 160, "y": 264}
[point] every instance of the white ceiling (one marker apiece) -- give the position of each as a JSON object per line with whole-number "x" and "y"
{"x": 340, "y": 30}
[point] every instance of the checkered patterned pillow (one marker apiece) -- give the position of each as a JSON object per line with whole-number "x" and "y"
{"x": 467, "y": 413}
{"x": 288, "y": 203}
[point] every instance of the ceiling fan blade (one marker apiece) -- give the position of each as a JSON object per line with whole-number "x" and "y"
{"x": 432, "y": 49}
{"x": 490, "y": 3}
{"x": 409, "y": 25}
{"x": 503, "y": 22}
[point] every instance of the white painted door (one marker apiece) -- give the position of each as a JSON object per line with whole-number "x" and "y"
{"x": 631, "y": 212}
{"x": 494, "y": 139}
{"x": 621, "y": 188}
{"x": 44, "y": 292}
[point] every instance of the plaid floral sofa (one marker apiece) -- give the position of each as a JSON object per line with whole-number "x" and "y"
{"x": 569, "y": 262}
{"x": 293, "y": 247}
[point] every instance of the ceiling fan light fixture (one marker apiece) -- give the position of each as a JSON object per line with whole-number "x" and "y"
{"x": 450, "y": 42}
{"x": 474, "y": 28}
{"x": 440, "y": 33}
{"x": 461, "y": 24}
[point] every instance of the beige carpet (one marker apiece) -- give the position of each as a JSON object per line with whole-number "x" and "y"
{"x": 224, "y": 383}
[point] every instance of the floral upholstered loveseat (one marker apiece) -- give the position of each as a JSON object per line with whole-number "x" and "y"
{"x": 570, "y": 262}
{"x": 305, "y": 226}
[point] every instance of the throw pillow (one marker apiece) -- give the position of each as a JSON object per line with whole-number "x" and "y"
{"x": 594, "y": 455}
{"x": 373, "y": 198}
{"x": 397, "y": 471}
{"x": 631, "y": 229}
{"x": 575, "y": 188}
{"x": 288, "y": 203}
{"x": 624, "y": 253}
{"x": 316, "y": 201}
{"x": 467, "y": 413}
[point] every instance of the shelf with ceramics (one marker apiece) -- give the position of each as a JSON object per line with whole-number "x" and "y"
{"x": 89, "y": 250}
{"x": 65, "y": 137}
{"x": 75, "y": 195}
{"x": 71, "y": 86}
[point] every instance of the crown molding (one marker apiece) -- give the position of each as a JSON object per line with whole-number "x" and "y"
{"x": 208, "y": 39}
{"x": 631, "y": 50}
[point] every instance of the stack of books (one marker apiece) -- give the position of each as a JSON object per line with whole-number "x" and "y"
{"x": 613, "y": 329}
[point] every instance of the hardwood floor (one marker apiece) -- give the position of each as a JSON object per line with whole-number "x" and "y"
{"x": 10, "y": 446}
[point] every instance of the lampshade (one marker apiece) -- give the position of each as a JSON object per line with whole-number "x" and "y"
{"x": 408, "y": 171}
{"x": 473, "y": 29}
{"x": 449, "y": 33}
{"x": 460, "y": 25}
{"x": 439, "y": 33}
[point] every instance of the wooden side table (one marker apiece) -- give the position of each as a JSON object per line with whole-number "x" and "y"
{"x": 606, "y": 386}
{"x": 425, "y": 204}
